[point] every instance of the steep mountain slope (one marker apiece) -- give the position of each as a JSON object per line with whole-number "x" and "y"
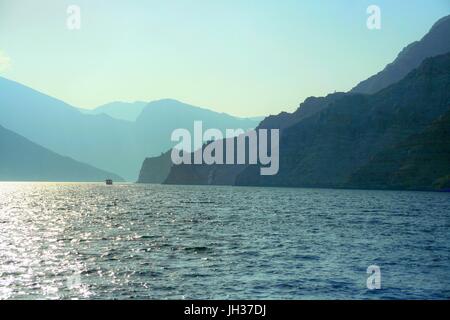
{"x": 98, "y": 140}
{"x": 435, "y": 42}
{"x": 215, "y": 174}
{"x": 421, "y": 162}
{"x": 301, "y": 134}
{"x": 155, "y": 169}
{"x": 325, "y": 149}
{"x": 226, "y": 174}
{"x": 23, "y": 160}
{"x": 309, "y": 107}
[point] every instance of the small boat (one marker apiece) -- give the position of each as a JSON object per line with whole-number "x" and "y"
{"x": 109, "y": 182}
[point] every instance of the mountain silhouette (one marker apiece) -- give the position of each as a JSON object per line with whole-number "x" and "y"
{"x": 316, "y": 162}
{"x": 104, "y": 142}
{"x": 23, "y": 160}
{"x": 335, "y": 147}
{"x": 155, "y": 169}
{"x": 324, "y": 150}
{"x": 421, "y": 162}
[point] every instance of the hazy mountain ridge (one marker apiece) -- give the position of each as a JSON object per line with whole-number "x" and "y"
{"x": 23, "y": 160}
{"x": 110, "y": 144}
{"x": 434, "y": 43}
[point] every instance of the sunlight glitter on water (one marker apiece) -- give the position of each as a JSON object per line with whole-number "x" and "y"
{"x": 91, "y": 241}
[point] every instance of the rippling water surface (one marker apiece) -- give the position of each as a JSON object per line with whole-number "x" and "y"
{"x": 90, "y": 241}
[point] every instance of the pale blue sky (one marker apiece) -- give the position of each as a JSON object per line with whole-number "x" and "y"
{"x": 243, "y": 57}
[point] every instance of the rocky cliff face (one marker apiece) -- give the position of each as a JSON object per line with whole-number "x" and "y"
{"x": 204, "y": 174}
{"x": 308, "y": 108}
{"x": 421, "y": 162}
{"x": 328, "y": 138}
{"x": 324, "y": 150}
{"x": 155, "y": 169}
{"x": 227, "y": 174}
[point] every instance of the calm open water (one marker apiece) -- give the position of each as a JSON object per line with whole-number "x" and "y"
{"x": 90, "y": 241}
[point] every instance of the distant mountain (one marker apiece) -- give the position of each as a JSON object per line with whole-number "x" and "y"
{"x": 324, "y": 150}
{"x": 128, "y": 111}
{"x": 158, "y": 121}
{"x": 435, "y": 42}
{"x": 23, "y": 160}
{"x": 159, "y": 118}
{"x": 421, "y": 162}
{"x": 98, "y": 139}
